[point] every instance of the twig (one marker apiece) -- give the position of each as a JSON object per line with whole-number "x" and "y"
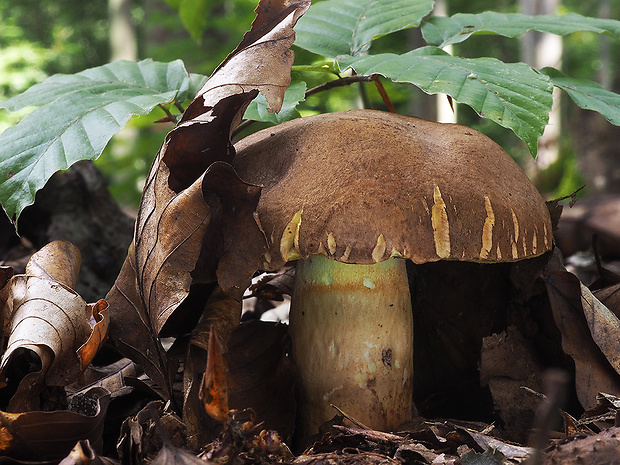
{"x": 345, "y": 81}
{"x": 383, "y": 93}
{"x": 169, "y": 116}
{"x": 179, "y": 106}
{"x": 350, "y": 418}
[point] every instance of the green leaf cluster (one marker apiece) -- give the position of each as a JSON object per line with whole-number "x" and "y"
{"x": 76, "y": 117}
{"x": 513, "y": 95}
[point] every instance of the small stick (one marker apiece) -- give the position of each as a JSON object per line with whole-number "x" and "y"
{"x": 350, "y": 418}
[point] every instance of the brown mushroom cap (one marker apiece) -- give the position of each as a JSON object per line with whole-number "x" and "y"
{"x": 361, "y": 186}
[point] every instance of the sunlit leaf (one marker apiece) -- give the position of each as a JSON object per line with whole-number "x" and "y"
{"x": 443, "y": 31}
{"x": 337, "y": 27}
{"x": 77, "y": 116}
{"x": 511, "y": 94}
{"x": 192, "y": 14}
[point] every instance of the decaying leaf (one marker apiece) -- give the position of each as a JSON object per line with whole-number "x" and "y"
{"x": 170, "y": 455}
{"x": 52, "y": 435}
{"x": 245, "y": 441}
{"x": 143, "y": 435}
{"x": 220, "y": 314}
{"x": 53, "y": 333}
{"x": 192, "y": 196}
{"x": 575, "y": 316}
{"x": 425, "y": 442}
{"x": 602, "y": 448}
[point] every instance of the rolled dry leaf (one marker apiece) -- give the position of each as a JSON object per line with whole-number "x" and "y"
{"x": 47, "y": 320}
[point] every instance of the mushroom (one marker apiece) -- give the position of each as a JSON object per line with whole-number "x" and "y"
{"x": 351, "y": 196}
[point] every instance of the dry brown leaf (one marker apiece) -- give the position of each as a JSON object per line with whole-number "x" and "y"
{"x": 593, "y": 372}
{"x": 58, "y": 261}
{"x": 189, "y": 199}
{"x": 610, "y": 297}
{"x": 51, "y": 435}
{"x": 604, "y": 326}
{"x": 47, "y": 318}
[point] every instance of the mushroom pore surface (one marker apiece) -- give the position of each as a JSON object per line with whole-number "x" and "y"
{"x": 351, "y": 194}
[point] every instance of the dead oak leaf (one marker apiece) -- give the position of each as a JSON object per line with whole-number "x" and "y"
{"x": 51, "y": 435}
{"x": 193, "y": 196}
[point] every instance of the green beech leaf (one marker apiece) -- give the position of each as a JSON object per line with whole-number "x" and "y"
{"x": 257, "y": 110}
{"x": 588, "y": 95}
{"x": 196, "y": 81}
{"x": 146, "y": 77}
{"x": 443, "y": 31}
{"x": 79, "y": 115}
{"x": 511, "y": 94}
{"x": 347, "y": 27}
{"x": 192, "y": 14}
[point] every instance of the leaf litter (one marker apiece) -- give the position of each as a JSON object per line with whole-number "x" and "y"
{"x": 183, "y": 281}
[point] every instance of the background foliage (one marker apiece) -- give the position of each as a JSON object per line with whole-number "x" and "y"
{"x": 66, "y": 37}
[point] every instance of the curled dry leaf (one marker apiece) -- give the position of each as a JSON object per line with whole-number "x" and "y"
{"x": 52, "y": 435}
{"x": 48, "y": 322}
{"x": 189, "y": 199}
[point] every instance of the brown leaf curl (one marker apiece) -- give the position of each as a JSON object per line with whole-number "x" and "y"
{"x": 46, "y": 317}
{"x": 185, "y": 204}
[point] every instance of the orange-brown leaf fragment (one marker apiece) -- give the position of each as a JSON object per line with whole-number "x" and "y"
{"x": 214, "y": 389}
{"x": 100, "y": 323}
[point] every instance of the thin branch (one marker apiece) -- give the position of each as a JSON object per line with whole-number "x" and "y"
{"x": 170, "y": 118}
{"x": 345, "y": 81}
{"x": 384, "y": 95}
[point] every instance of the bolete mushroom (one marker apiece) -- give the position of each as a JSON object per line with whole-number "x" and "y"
{"x": 350, "y": 196}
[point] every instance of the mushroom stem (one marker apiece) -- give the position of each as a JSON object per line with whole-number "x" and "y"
{"x": 352, "y": 333}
